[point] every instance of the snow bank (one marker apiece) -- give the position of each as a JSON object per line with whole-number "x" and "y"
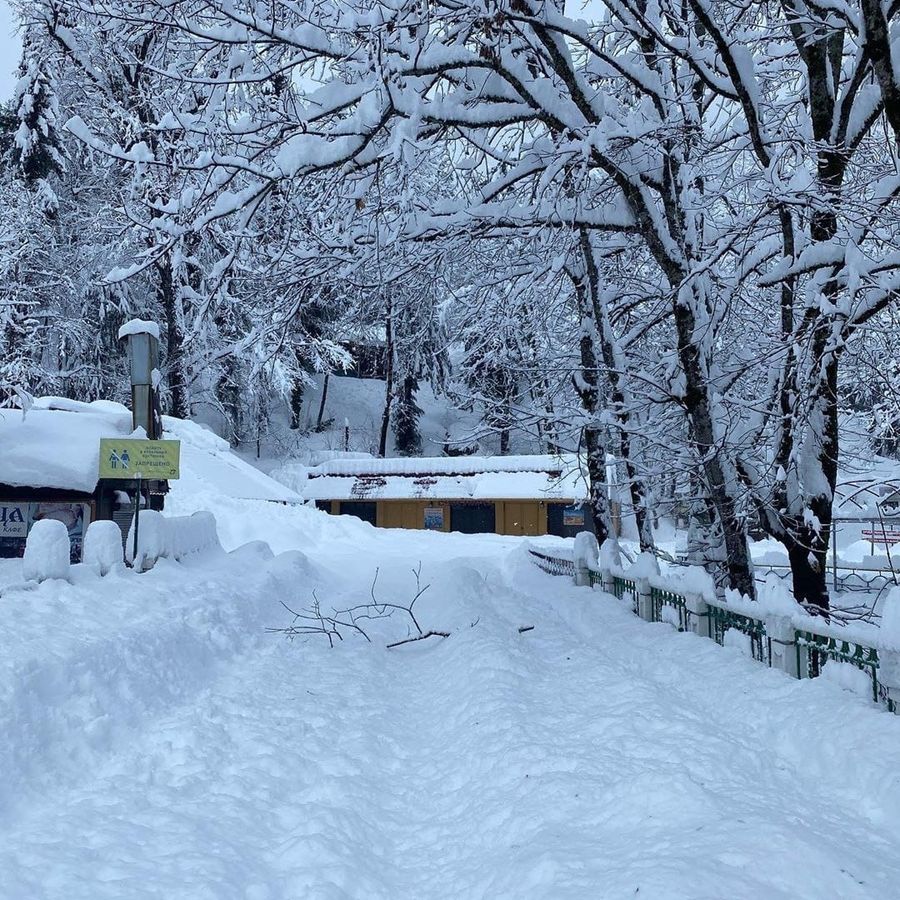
{"x": 89, "y": 661}
{"x": 46, "y": 551}
{"x": 610, "y": 556}
{"x": 645, "y": 565}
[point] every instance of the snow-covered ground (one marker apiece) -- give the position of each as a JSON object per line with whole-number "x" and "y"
{"x": 158, "y": 743}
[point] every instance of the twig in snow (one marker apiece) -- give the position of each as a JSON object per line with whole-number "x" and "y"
{"x": 420, "y": 637}
{"x": 314, "y": 621}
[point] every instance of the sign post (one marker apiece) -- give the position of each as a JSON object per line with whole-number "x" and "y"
{"x": 123, "y": 458}
{"x": 137, "y": 517}
{"x": 134, "y": 459}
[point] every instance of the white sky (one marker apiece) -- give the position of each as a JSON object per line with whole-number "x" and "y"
{"x": 10, "y": 47}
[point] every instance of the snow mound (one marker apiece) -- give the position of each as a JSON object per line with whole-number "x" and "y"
{"x": 46, "y": 551}
{"x": 103, "y": 546}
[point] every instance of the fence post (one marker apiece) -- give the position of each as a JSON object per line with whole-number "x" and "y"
{"x": 787, "y": 654}
{"x": 607, "y": 582}
{"x": 645, "y": 599}
{"x": 585, "y": 556}
{"x": 889, "y": 678}
{"x": 582, "y": 573}
{"x": 699, "y": 614}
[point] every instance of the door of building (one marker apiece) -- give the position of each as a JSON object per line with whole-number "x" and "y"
{"x": 473, "y": 518}
{"x": 401, "y": 514}
{"x": 522, "y": 518}
{"x": 362, "y": 509}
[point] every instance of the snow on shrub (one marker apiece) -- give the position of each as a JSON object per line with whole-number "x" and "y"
{"x": 103, "y": 546}
{"x": 170, "y": 538}
{"x": 46, "y": 551}
{"x": 151, "y": 542}
{"x": 586, "y": 554}
{"x": 646, "y": 565}
{"x": 610, "y": 557}
{"x": 776, "y": 598}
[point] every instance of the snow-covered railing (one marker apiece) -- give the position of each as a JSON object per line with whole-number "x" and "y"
{"x": 553, "y": 565}
{"x": 775, "y": 630}
{"x": 175, "y": 537}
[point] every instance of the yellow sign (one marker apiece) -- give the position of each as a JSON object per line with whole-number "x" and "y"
{"x": 133, "y": 458}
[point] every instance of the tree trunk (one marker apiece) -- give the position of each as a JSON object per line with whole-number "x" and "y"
{"x": 504, "y": 441}
{"x": 587, "y": 387}
{"x": 388, "y": 380}
{"x": 594, "y": 305}
{"x": 296, "y": 402}
{"x": 168, "y": 297}
{"x": 596, "y": 464}
{"x": 809, "y": 575}
{"x": 719, "y": 482}
{"x": 321, "y": 414}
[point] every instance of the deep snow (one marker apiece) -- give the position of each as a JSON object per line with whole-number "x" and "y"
{"x": 158, "y": 743}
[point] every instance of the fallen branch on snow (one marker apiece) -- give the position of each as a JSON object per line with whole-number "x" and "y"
{"x": 314, "y": 621}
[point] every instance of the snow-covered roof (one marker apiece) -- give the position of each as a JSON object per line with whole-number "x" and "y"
{"x": 445, "y": 465}
{"x": 56, "y": 444}
{"x": 439, "y": 478}
{"x": 207, "y": 461}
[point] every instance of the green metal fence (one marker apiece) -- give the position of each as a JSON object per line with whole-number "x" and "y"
{"x": 723, "y": 620}
{"x": 813, "y": 650}
{"x": 821, "y": 648}
{"x": 660, "y": 597}
{"x": 553, "y": 565}
{"x": 623, "y": 586}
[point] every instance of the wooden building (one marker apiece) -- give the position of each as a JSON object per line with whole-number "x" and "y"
{"x": 49, "y": 468}
{"x": 515, "y": 495}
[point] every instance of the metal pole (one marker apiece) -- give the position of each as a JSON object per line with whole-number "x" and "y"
{"x": 137, "y": 518}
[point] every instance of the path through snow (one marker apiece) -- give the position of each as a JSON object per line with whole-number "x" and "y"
{"x": 595, "y": 756}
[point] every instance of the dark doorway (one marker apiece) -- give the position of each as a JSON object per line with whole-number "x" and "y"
{"x": 473, "y": 518}
{"x": 567, "y": 519}
{"x": 365, "y": 510}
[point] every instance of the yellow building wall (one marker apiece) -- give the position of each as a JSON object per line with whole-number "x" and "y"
{"x": 401, "y": 514}
{"x": 525, "y": 518}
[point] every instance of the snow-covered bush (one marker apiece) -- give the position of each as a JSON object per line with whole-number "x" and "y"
{"x": 170, "y": 538}
{"x": 776, "y": 598}
{"x": 586, "y": 554}
{"x": 151, "y": 541}
{"x": 46, "y": 551}
{"x": 610, "y": 556}
{"x": 103, "y": 546}
{"x": 646, "y": 565}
